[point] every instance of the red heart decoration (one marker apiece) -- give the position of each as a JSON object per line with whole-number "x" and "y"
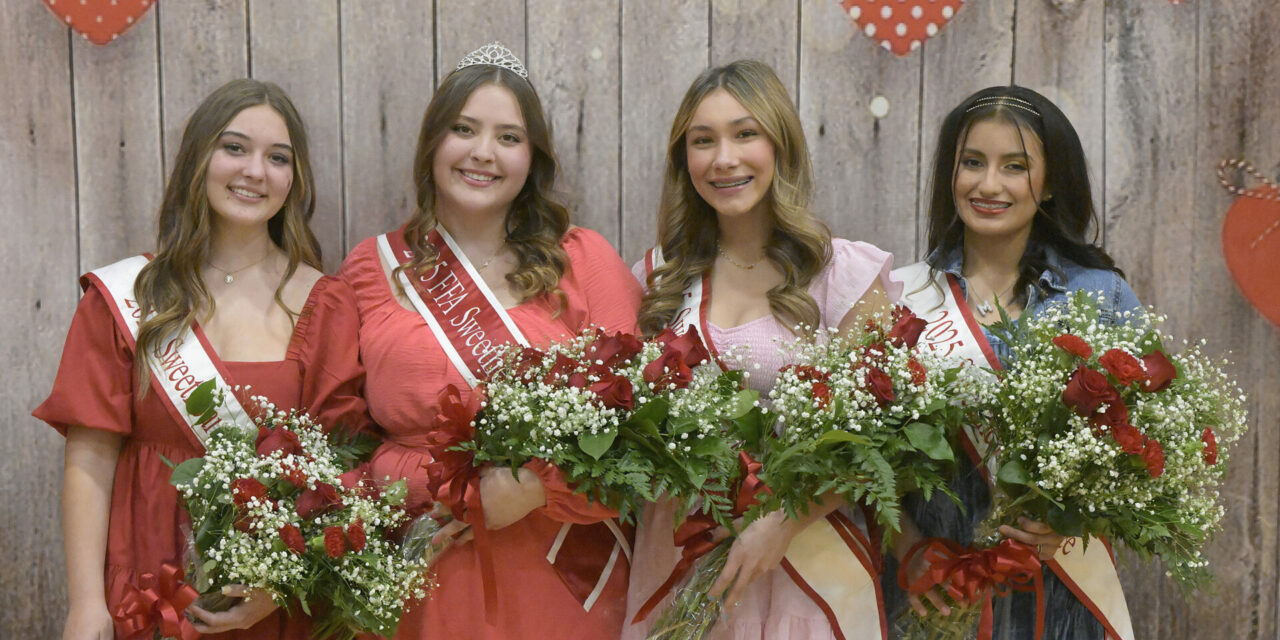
{"x": 901, "y": 26}
{"x": 1251, "y": 246}
{"x": 99, "y": 21}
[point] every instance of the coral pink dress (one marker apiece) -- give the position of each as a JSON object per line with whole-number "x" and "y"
{"x": 96, "y": 388}
{"x": 407, "y": 370}
{"x": 772, "y": 607}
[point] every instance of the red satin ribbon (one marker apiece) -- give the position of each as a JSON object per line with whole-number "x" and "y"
{"x": 695, "y": 536}
{"x": 454, "y": 480}
{"x": 157, "y": 601}
{"x": 971, "y": 575}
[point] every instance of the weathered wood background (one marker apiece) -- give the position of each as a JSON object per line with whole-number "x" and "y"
{"x": 1159, "y": 92}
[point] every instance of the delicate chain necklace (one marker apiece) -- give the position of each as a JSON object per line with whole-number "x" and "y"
{"x": 984, "y": 308}
{"x": 726, "y": 256}
{"x": 492, "y": 256}
{"x": 229, "y": 276}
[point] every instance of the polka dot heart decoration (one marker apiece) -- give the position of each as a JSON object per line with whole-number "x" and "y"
{"x": 1251, "y": 238}
{"x": 99, "y": 21}
{"x": 901, "y": 26}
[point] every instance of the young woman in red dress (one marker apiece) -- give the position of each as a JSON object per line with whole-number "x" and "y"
{"x": 235, "y": 279}
{"x": 487, "y": 258}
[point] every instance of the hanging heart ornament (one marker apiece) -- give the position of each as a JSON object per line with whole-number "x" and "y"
{"x": 99, "y": 21}
{"x": 901, "y": 26}
{"x": 1251, "y": 238}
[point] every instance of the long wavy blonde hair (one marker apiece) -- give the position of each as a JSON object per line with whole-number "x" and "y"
{"x": 170, "y": 286}
{"x": 799, "y": 245}
{"x": 536, "y": 221}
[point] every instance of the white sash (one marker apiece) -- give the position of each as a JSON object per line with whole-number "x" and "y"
{"x": 461, "y": 310}
{"x": 830, "y": 560}
{"x": 179, "y": 363}
{"x": 952, "y": 331}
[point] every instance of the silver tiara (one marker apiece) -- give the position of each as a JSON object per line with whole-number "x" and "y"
{"x": 1003, "y": 101}
{"x": 495, "y": 54}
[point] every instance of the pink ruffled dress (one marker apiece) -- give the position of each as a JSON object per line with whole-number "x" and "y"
{"x": 772, "y": 607}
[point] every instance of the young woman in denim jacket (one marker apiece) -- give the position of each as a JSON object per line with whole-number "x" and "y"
{"x": 1009, "y": 214}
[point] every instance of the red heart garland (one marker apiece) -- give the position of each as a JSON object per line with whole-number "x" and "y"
{"x": 901, "y": 26}
{"x": 99, "y": 21}
{"x": 1251, "y": 239}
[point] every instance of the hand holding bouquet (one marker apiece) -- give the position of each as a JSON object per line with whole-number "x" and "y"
{"x": 279, "y": 505}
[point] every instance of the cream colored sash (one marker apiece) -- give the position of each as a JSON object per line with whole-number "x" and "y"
{"x": 179, "y": 363}
{"x": 952, "y": 331}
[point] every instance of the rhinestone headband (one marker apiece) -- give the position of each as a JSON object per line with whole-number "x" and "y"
{"x": 1003, "y": 101}
{"x": 497, "y": 55}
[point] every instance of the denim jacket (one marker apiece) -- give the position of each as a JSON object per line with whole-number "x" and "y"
{"x": 1117, "y": 297}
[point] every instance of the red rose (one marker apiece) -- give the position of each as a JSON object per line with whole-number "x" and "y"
{"x": 1153, "y": 456}
{"x": 335, "y": 542}
{"x": 356, "y": 536}
{"x": 1086, "y": 390}
{"x": 1123, "y": 367}
{"x": 1074, "y": 345}
{"x": 614, "y": 350}
{"x": 560, "y": 369}
{"x": 688, "y": 345}
{"x": 919, "y": 375}
{"x": 668, "y": 369}
{"x": 1129, "y": 438}
{"x": 880, "y": 385}
{"x": 291, "y": 535}
{"x": 873, "y": 354}
{"x": 243, "y": 523}
{"x": 245, "y": 489}
{"x": 821, "y": 395}
{"x": 352, "y": 477}
{"x": 279, "y": 439}
{"x": 1210, "y": 446}
{"x": 614, "y": 392}
{"x": 294, "y": 475}
{"x": 578, "y": 380}
{"x": 806, "y": 373}
{"x": 1117, "y": 413}
{"x": 1160, "y": 372}
{"x": 526, "y": 360}
{"x": 907, "y": 328}
{"x": 322, "y": 499}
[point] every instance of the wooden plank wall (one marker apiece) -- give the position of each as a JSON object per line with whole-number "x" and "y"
{"x": 1159, "y": 92}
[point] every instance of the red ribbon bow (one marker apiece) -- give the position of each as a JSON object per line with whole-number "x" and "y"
{"x": 972, "y": 575}
{"x": 157, "y": 601}
{"x": 454, "y": 480}
{"x": 696, "y": 537}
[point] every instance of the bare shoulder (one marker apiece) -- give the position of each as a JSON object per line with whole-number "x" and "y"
{"x": 298, "y": 288}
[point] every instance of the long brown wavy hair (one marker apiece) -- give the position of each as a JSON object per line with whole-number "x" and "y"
{"x": 536, "y": 221}
{"x": 799, "y": 245}
{"x": 170, "y": 286}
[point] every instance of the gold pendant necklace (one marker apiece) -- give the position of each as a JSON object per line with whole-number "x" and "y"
{"x": 229, "y": 276}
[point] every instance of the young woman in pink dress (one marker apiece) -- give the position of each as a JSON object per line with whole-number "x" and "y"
{"x": 734, "y": 216}
{"x": 489, "y": 257}
{"x": 235, "y": 277}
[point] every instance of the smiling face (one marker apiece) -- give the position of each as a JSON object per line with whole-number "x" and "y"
{"x": 999, "y": 182}
{"x": 730, "y": 159}
{"x": 251, "y": 169}
{"x": 482, "y": 162}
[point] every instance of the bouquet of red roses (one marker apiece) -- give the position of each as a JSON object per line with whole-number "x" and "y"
{"x": 277, "y": 504}
{"x": 1103, "y": 433}
{"x": 625, "y": 420}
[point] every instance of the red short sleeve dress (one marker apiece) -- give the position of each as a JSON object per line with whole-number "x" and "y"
{"x": 406, "y": 372}
{"x": 96, "y": 388}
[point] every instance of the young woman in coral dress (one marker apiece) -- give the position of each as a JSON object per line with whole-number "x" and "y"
{"x": 235, "y": 292}
{"x": 735, "y": 230}
{"x": 488, "y": 258}
{"x": 1008, "y": 218}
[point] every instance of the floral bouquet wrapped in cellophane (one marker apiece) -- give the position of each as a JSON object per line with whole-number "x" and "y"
{"x": 1104, "y": 435}
{"x": 278, "y": 505}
